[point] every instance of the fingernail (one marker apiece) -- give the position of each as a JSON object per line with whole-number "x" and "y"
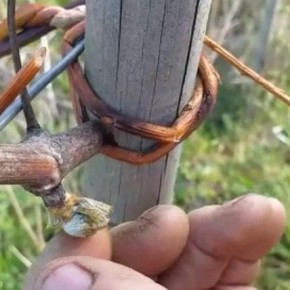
{"x": 148, "y": 211}
{"x": 69, "y": 276}
{"x": 236, "y": 200}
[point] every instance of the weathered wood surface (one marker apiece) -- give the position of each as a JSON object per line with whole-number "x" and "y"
{"x": 141, "y": 57}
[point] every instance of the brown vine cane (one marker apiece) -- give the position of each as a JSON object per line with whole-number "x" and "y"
{"x": 21, "y": 79}
{"x": 200, "y": 104}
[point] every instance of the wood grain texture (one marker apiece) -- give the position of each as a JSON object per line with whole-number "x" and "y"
{"x": 142, "y": 58}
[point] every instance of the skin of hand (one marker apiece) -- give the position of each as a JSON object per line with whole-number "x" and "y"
{"x": 214, "y": 248}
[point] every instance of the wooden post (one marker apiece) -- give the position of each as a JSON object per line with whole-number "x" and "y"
{"x": 141, "y": 56}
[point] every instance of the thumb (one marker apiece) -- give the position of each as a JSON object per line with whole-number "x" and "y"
{"x": 62, "y": 246}
{"x": 87, "y": 273}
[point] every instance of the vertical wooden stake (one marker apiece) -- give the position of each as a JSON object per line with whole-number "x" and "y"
{"x": 141, "y": 57}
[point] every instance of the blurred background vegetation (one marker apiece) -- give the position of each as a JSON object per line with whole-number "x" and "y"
{"x": 243, "y": 147}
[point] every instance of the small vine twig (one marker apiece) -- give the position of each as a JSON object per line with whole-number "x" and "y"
{"x": 21, "y": 80}
{"x": 27, "y": 108}
{"x": 245, "y": 70}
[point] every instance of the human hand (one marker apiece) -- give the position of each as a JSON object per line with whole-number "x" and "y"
{"x": 214, "y": 247}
